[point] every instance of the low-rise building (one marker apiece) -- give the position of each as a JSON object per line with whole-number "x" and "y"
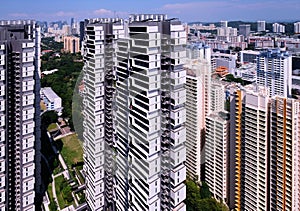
{"x": 248, "y": 56}
{"x": 51, "y": 100}
{"x": 247, "y": 72}
{"x": 224, "y": 60}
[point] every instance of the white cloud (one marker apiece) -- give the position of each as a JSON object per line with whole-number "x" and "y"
{"x": 103, "y": 12}
{"x": 109, "y": 13}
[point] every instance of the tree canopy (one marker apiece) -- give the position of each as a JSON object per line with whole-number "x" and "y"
{"x": 199, "y": 199}
{"x": 64, "y": 80}
{"x": 48, "y": 118}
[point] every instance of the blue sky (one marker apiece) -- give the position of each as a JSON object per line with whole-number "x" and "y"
{"x": 186, "y": 10}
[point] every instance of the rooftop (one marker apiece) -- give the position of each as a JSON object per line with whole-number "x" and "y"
{"x": 196, "y": 45}
{"x": 220, "y": 116}
{"x": 49, "y": 93}
{"x": 274, "y": 53}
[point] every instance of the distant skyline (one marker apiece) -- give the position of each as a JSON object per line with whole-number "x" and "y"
{"x": 185, "y": 10}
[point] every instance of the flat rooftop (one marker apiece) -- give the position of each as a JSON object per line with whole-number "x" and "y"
{"x": 49, "y": 93}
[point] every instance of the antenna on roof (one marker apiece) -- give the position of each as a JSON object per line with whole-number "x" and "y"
{"x": 171, "y": 19}
{"x": 148, "y": 19}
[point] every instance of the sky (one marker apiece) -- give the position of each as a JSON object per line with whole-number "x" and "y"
{"x": 185, "y": 10}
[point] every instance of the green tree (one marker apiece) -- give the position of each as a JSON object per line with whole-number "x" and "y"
{"x": 63, "y": 185}
{"x": 55, "y": 163}
{"x": 63, "y": 82}
{"x": 67, "y": 193}
{"x": 193, "y": 194}
{"x": 52, "y": 206}
{"x": 199, "y": 198}
{"x": 204, "y": 191}
{"x": 48, "y": 118}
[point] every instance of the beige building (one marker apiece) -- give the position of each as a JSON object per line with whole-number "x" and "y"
{"x": 217, "y": 154}
{"x": 198, "y": 81}
{"x": 71, "y": 44}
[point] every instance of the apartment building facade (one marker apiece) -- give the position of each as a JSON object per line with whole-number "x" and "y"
{"x": 198, "y": 84}
{"x": 134, "y": 121}
{"x": 249, "y": 114}
{"x": 274, "y": 71}
{"x": 284, "y": 154}
{"x": 98, "y": 53}
{"x": 20, "y": 168}
{"x": 217, "y": 154}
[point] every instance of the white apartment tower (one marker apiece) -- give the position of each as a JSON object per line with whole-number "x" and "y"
{"x": 249, "y": 187}
{"x": 224, "y": 23}
{"x": 99, "y": 55}
{"x": 198, "y": 82}
{"x": 297, "y": 27}
{"x": 217, "y": 154}
{"x": 217, "y": 96}
{"x": 261, "y": 26}
{"x": 134, "y": 114}
{"x": 150, "y": 115}
{"x": 278, "y": 28}
{"x": 274, "y": 71}
{"x": 20, "y": 169}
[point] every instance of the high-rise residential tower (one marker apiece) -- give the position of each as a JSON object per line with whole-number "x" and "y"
{"x": 297, "y": 27}
{"x": 71, "y": 44}
{"x": 99, "y": 55}
{"x": 278, "y": 28}
{"x": 261, "y": 26}
{"x": 249, "y": 116}
{"x": 224, "y": 23}
{"x": 198, "y": 82}
{"x": 134, "y": 118}
{"x": 20, "y": 167}
{"x": 245, "y": 30}
{"x": 217, "y": 96}
{"x": 264, "y": 157}
{"x": 151, "y": 115}
{"x": 274, "y": 71}
{"x": 284, "y": 154}
{"x": 217, "y": 154}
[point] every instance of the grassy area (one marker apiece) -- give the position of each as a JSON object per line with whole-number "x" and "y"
{"x": 50, "y": 193}
{"x": 77, "y": 170}
{"x": 62, "y": 201}
{"x": 57, "y": 170}
{"x": 52, "y": 126}
{"x": 52, "y": 205}
{"x": 72, "y": 150}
